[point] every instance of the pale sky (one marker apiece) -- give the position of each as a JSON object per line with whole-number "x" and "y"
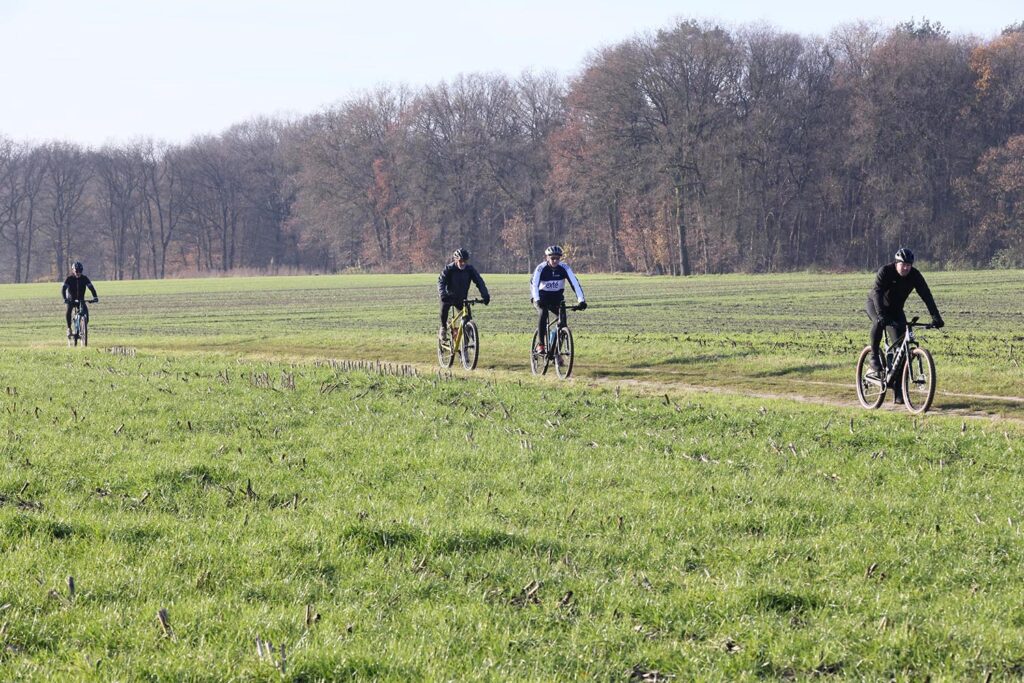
{"x": 108, "y": 71}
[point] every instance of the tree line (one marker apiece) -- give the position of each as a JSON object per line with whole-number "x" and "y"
{"x": 692, "y": 149}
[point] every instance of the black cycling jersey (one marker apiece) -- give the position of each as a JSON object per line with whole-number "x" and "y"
{"x": 74, "y": 288}
{"x": 453, "y": 283}
{"x": 891, "y": 291}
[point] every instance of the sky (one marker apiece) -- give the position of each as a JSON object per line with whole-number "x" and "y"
{"x": 109, "y": 71}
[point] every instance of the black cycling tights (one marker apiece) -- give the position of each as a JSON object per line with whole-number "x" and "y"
{"x": 542, "y": 321}
{"x": 896, "y": 331}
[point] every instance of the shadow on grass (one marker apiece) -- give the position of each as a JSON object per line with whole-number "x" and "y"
{"x": 784, "y": 602}
{"x": 482, "y": 541}
{"x": 797, "y": 370}
{"x": 697, "y": 359}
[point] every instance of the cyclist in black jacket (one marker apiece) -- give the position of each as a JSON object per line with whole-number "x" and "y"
{"x": 74, "y": 290}
{"x": 893, "y": 284}
{"x": 453, "y": 286}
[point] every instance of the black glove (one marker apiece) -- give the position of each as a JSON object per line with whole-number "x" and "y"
{"x": 447, "y": 298}
{"x": 937, "y": 322}
{"x": 67, "y": 302}
{"x": 582, "y": 306}
{"x": 94, "y": 299}
{"x": 487, "y": 300}
{"x": 533, "y": 302}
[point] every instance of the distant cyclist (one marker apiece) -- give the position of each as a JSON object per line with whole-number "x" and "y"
{"x": 74, "y": 290}
{"x": 453, "y": 286}
{"x": 893, "y": 284}
{"x": 547, "y": 291}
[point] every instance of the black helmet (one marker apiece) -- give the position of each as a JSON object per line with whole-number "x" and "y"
{"x": 78, "y": 267}
{"x": 461, "y": 254}
{"x": 553, "y": 250}
{"x": 904, "y": 255}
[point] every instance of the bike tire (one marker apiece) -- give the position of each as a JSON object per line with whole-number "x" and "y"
{"x": 470, "y": 346}
{"x": 85, "y": 332}
{"x": 919, "y": 381}
{"x": 870, "y": 392}
{"x": 445, "y": 351}
{"x": 565, "y": 352}
{"x": 537, "y": 359}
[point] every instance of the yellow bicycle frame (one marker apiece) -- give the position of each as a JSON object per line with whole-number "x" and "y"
{"x": 455, "y": 325}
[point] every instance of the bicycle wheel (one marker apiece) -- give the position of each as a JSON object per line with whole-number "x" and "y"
{"x": 919, "y": 381}
{"x": 446, "y": 349}
{"x": 564, "y": 353}
{"x": 84, "y": 330}
{"x": 870, "y": 389}
{"x": 538, "y": 361}
{"x": 470, "y": 345}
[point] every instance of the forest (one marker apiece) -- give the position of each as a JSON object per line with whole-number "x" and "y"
{"x": 692, "y": 149}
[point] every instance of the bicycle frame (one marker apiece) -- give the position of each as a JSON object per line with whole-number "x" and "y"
{"x": 903, "y": 348}
{"x": 464, "y": 315}
{"x": 554, "y": 325}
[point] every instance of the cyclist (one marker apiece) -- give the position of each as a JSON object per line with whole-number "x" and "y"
{"x": 547, "y": 291}
{"x": 74, "y": 290}
{"x": 453, "y": 286}
{"x": 893, "y": 284}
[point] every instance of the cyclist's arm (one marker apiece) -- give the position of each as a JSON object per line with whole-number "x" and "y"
{"x": 878, "y": 291}
{"x": 64, "y": 291}
{"x": 442, "y": 284}
{"x": 926, "y": 295}
{"x": 574, "y": 282}
{"x": 535, "y": 283}
{"x": 479, "y": 282}
{"x": 92, "y": 289}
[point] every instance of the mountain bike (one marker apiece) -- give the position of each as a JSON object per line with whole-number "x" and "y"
{"x": 80, "y": 322}
{"x": 560, "y": 348}
{"x": 904, "y": 362}
{"x": 462, "y": 336}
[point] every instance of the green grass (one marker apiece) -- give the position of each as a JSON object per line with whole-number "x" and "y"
{"x": 492, "y": 525}
{"x": 704, "y": 537}
{"x": 796, "y": 335}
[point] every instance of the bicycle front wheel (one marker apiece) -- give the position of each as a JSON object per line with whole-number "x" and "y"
{"x": 919, "y": 381}
{"x": 470, "y": 345}
{"x": 445, "y": 350}
{"x": 870, "y": 387}
{"x": 538, "y": 361}
{"x": 564, "y": 353}
{"x": 85, "y": 331}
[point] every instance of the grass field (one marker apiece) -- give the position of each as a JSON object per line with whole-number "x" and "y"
{"x": 495, "y": 526}
{"x": 796, "y": 335}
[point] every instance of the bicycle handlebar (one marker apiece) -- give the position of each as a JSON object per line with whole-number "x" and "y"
{"x": 82, "y": 301}
{"x": 473, "y": 301}
{"x": 913, "y": 323}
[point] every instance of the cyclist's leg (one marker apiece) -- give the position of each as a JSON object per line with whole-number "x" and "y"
{"x": 444, "y": 319}
{"x": 67, "y": 315}
{"x": 877, "y": 330}
{"x": 542, "y": 323}
{"x": 562, "y": 322}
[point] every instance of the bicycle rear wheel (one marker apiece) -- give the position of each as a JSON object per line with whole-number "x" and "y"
{"x": 85, "y": 331}
{"x": 538, "y": 361}
{"x": 565, "y": 351}
{"x": 470, "y": 345}
{"x": 870, "y": 388}
{"x": 919, "y": 381}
